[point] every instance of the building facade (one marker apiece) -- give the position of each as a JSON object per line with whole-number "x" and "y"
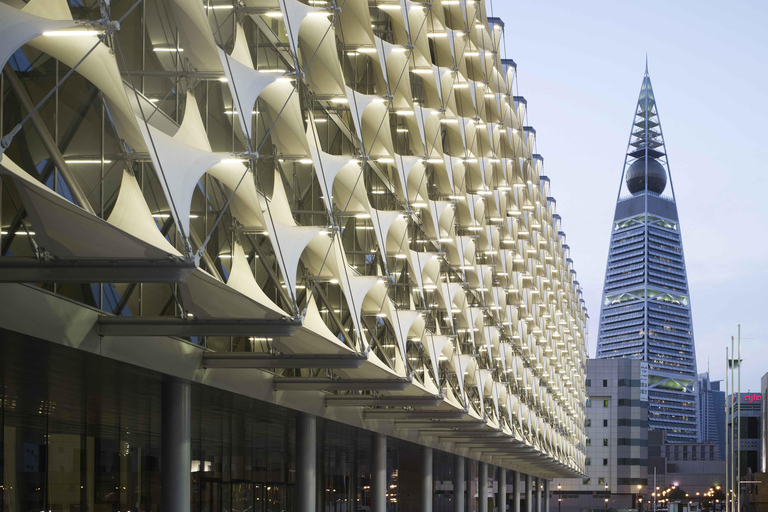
{"x": 711, "y": 413}
{"x": 617, "y": 432}
{"x": 745, "y": 415}
{"x": 646, "y": 312}
{"x": 277, "y": 255}
{"x": 692, "y": 467}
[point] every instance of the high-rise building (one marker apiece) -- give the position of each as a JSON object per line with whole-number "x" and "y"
{"x": 746, "y": 440}
{"x": 646, "y": 312}
{"x": 617, "y": 448}
{"x": 277, "y": 253}
{"x": 711, "y": 413}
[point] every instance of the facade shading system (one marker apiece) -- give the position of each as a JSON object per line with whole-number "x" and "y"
{"x": 646, "y": 312}
{"x": 336, "y": 208}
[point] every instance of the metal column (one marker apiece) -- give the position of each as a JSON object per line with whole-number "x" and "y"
{"x": 458, "y": 483}
{"x": 306, "y": 462}
{"x": 482, "y": 487}
{"x": 528, "y": 493}
{"x": 516, "y": 491}
{"x": 502, "y": 499}
{"x": 379, "y": 474}
{"x": 538, "y": 494}
{"x": 426, "y": 479}
{"x": 546, "y": 495}
{"x": 176, "y": 446}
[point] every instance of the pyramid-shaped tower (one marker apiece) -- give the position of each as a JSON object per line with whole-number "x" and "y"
{"x": 646, "y": 312}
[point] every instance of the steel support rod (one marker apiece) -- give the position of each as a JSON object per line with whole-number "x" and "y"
{"x": 45, "y": 137}
{"x": 515, "y": 491}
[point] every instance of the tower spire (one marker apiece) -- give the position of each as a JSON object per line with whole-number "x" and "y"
{"x": 646, "y": 65}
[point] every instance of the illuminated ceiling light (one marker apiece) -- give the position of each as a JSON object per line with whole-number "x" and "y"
{"x": 471, "y": 54}
{"x": 305, "y": 160}
{"x": 404, "y": 112}
{"x": 86, "y": 161}
{"x": 402, "y": 130}
{"x": 421, "y": 71}
{"x": 274, "y": 14}
{"x": 339, "y": 101}
{"x": 435, "y": 35}
{"x": 220, "y": 7}
{"x": 386, "y": 160}
{"x": 166, "y": 49}
{"x": 389, "y": 7}
{"x": 490, "y": 95}
{"x": 400, "y": 256}
{"x": 449, "y": 121}
{"x": 365, "y": 49}
{"x": 460, "y": 86}
{"x": 72, "y": 33}
{"x": 419, "y": 205}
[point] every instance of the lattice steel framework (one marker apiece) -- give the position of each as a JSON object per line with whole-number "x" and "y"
{"x": 646, "y": 311}
{"x": 344, "y": 194}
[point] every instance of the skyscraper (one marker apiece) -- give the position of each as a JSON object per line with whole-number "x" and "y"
{"x": 646, "y": 312}
{"x": 711, "y": 407}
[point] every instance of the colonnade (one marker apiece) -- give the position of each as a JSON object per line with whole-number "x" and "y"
{"x": 176, "y": 459}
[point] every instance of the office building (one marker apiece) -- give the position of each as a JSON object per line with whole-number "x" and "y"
{"x": 745, "y": 419}
{"x": 277, "y": 255}
{"x": 646, "y": 311}
{"x": 711, "y": 413}
{"x": 617, "y": 446}
{"x": 692, "y": 467}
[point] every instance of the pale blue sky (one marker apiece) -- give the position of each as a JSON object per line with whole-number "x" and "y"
{"x": 580, "y": 66}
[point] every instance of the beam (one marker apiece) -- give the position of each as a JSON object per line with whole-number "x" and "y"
{"x": 261, "y": 361}
{"x": 381, "y": 401}
{"x": 28, "y": 270}
{"x": 439, "y": 426}
{"x": 413, "y": 415}
{"x": 172, "y": 326}
{"x": 321, "y": 384}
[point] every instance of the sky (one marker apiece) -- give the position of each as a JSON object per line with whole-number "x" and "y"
{"x": 580, "y": 66}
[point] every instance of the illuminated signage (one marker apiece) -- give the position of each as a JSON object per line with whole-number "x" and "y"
{"x": 750, "y": 398}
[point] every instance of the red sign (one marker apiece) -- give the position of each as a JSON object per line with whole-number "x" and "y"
{"x": 752, "y": 397}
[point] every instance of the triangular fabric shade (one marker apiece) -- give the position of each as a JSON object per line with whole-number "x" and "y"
{"x": 294, "y": 13}
{"x": 131, "y": 214}
{"x": 245, "y": 84}
{"x": 99, "y": 68}
{"x": 17, "y": 27}
{"x": 179, "y": 167}
{"x": 241, "y": 279}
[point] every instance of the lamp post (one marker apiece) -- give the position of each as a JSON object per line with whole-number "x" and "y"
{"x": 639, "y": 499}
{"x": 559, "y": 497}
{"x": 606, "y": 499}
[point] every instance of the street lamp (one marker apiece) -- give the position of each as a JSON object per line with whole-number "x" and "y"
{"x": 559, "y": 497}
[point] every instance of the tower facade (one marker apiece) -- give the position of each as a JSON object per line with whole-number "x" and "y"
{"x": 646, "y": 312}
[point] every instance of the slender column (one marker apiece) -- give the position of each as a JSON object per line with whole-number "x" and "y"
{"x": 538, "y": 494}
{"x": 502, "y": 499}
{"x": 306, "y": 462}
{"x": 528, "y": 493}
{"x": 515, "y": 491}
{"x": 458, "y": 483}
{"x": 426, "y": 479}
{"x": 379, "y": 474}
{"x": 546, "y": 495}
{"x": 482, "y": 487}
{"x": 176, "y": 446}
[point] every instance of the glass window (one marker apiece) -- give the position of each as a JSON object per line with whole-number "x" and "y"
{"x": 605, "y": 442}
{"x": 605, "y": 403}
